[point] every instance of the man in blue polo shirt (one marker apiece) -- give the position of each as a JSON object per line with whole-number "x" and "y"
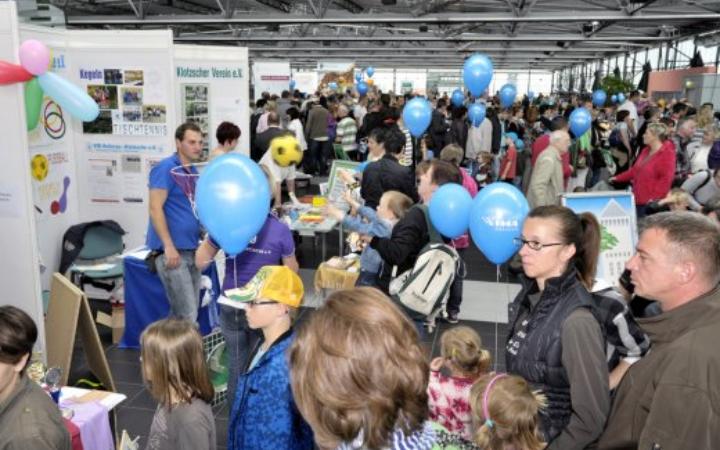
{"x": 173, "y": 229}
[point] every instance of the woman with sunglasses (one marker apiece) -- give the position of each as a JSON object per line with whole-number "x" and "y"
{"x": 554, "y": 339}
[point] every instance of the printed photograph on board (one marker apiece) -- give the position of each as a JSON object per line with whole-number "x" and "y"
{"x": 154, "y": 113}
{"x": 101, "y": 125}
{"x": 113, "y": 76}
{"x": 134, "y": 77}
{"x": 131, "y": 96}
{"x": 132, "y": 114}
{"x": 105, "y": 96}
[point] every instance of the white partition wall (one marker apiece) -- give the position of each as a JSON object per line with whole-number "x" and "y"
{"x": 212, "y": 86}
{"x": 52, "y": 161}
{"x": 129, "y": 73}
{"x": 270, "y": 76}
{"x": 19, "y": 266}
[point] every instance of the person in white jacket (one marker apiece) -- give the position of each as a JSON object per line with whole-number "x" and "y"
{"x": 479, "y": 140}
{"x": 296, "y": 127}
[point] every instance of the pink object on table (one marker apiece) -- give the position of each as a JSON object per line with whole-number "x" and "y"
{"x": 74, "y": 434}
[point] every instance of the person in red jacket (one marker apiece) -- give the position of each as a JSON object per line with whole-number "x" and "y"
{"x": 653, "y": 171}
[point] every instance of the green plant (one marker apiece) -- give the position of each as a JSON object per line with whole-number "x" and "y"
{"x": 614, "y": 85}
{"x": 608, "y": 241}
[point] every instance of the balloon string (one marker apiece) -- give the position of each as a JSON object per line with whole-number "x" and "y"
{"x": 497, "y": 277}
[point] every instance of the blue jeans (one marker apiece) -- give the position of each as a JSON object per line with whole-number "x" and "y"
{"x": 182, "y": 285}
{"x": 367, "y": 279}
{"x": 317, "y": 157}
{"x": 239, "y": 342}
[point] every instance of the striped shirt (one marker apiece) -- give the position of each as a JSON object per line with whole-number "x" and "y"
{"x": 346, "y": 132}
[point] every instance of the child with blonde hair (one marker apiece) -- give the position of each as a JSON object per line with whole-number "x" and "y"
{"x": 505, "y": 413}
{"x": 174, "y": 369}
{"x": 452, "y": 375}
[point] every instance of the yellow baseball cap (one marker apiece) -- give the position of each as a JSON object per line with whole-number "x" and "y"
{"x": 276, "y": 283}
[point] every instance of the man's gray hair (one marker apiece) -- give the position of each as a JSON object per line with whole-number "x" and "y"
{"x": 343, "y": 110}
{"x": 692, "y": 237}
{"x": 557, "y": 135}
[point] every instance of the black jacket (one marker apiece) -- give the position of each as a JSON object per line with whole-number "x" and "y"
{"x": 72, "y": 243}
{"x": 458, "y": 133}
{"x": 401, "y": 249}
{"x": 439, "y": 129}
{"x": 384, "y": 175}
{"x": 496, "y": 134}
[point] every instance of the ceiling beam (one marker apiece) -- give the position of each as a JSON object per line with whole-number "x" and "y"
{"x": 385, "y": 18}
{"x": 423, "y": 38}
{"x": 444, "y": 49}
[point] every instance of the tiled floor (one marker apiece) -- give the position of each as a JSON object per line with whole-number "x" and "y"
{"x": 487, "y": 292}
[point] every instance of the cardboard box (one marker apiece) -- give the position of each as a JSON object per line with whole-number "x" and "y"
{"x": 116, "y": 321}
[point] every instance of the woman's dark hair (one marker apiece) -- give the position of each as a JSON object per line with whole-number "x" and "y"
{"x": 581, "y": 230}
{"x": 391, "y": 138}
{"x": 227, "y": 132}
{"x": 293, "y": 113}
{"x": 621, "y": 115}
{"x": 323, "y": 102}
{"x": 458, "y": 113}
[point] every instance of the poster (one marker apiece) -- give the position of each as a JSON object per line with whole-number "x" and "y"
{"x": 196, "y": 109}
{"x": 134, "y": 180}
{"x": 128, "y": 104}
{"x": 615, "y": 211}
{"x": 50, "y": 171}
{"x": 104, "y": 180}
{"x": 336, "y": 187}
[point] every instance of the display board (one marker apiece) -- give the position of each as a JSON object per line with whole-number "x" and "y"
{"x": 306, "y": 82}
{"x": 19, "y": 268}
{"x": 212, "y": 86}
{"x": 129, "y": 74}
{"x": 269, "y": 76}
{"x": 615, "y": 210}
{"x": 52, "y": 161}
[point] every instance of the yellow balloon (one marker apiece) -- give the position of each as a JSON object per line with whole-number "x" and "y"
{"x": 286, "y": 150}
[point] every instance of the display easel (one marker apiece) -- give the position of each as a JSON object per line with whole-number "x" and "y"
{"x": 68, "y": 311}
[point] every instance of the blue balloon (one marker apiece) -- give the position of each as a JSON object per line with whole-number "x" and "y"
{"x": 621, "y": 97}
{"x": 496, "y": 219}
{"x": 507, "y": 95}
{"x": 580, "y": 121}
{"x": 361, "y": 167}
{"x": 292, "y": 84}
{"x": 614, "y": 98}
{"x": 358, "y": 76}
{"x": 519, "y": 144}
{"x": 233, "y": 200}
{"x": 457, "y": 98}
{"x": 477, "y": 73}
{"x": 362, "y": 88}
{"x": 450, "y": 210}
{"x": 476, "y": 114}
{"x": 333, "y": 85}
{"x": 512, "y": 135}
{"x": 370, "y": 71}
{"x": 70, "y": 97}
{"x": 599, "y": 98}
{"x": 416, "y": 116}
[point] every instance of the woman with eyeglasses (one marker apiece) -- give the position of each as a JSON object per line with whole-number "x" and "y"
{"x": 554, "y": 339}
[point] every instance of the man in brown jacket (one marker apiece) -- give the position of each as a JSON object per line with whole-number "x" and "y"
{"x": 28, "y": 417}
{"x": 670, "y": 399}
{"x": 546, "y": 181}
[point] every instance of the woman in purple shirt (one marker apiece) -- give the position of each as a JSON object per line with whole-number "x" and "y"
{"x": 273, "y": 245}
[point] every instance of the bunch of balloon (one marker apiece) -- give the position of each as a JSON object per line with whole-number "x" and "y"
{"x": 477, "y": 73}
{"x": 457, "y": 98}
{"x": 508, "y": 93}
{"x": 233, "y": 201}
{"x": 33, "y": 69}
{"x": 333, "y": 85}
{"x": 416, "y": 116}
{"x": 599, "y": 97}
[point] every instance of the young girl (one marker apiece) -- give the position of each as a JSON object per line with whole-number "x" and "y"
{"x": 463, "y": 360}
{"x": 505, "y": 411}
{"x": 393, "y": 206}
{"x": 174, "y": 369}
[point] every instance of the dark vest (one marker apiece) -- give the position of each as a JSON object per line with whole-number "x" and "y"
{"x": 534, "y": 345}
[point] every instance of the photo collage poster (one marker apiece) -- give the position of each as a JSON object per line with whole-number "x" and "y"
{"x": 195, "y": 108}
{"x": 123, "y": 109}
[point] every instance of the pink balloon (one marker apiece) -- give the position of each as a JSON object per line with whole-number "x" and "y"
{"x": 34, "y": 56}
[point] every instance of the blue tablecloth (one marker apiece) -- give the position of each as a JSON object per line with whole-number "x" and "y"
{"x": 145, "y": 301}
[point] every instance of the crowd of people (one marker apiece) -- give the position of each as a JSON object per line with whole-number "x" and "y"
{"x": 588, "y": 364}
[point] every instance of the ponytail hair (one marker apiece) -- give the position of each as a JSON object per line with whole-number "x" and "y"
{"x": 505, "y": 413}
{"x": 463, "y": 347}
{"x": 581, "y": 230}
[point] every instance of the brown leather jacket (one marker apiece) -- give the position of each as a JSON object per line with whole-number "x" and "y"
{"x": 670, "y": 399}
{"x": 30, "y": 420}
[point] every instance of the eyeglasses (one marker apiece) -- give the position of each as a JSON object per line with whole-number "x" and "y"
{"x": 534, "y": 245}
{"x": 259, "y": 303}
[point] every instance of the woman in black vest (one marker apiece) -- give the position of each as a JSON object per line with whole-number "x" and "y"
{"x": 554, "y": 340}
